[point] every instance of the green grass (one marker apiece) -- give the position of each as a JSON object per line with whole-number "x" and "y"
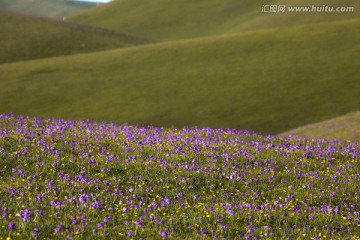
{"x": 267, "y": 81}
{"x": 46, "y": 8}
{"x": 25, "y": 37}
{"x": 169, "y": 20}
{"x": 345, "y": 127}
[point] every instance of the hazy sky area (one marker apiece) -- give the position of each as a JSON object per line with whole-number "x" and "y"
{"x": 100, "y": 1}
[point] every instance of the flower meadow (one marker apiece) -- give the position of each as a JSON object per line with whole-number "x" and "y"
{"x": 63, "y": 179}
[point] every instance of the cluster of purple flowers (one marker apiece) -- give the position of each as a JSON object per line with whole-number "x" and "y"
{"x": 82, "y": 179}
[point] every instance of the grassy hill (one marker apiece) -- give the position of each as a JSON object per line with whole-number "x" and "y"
{"x": 168, "y": 20}
{"x": 267, "y": 81}
{"x": 344, "y": 127}
{"x": 46, "y": 8}
{"x": 25, "y": 37}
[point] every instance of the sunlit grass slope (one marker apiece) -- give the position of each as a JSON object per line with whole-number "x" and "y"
{"x": 267, "y": 81}
{"x": 25, "y": 37}
{"x": 344, "y": 127}
{"x": 168, "y": 20}
{"x": 46, "y": 8}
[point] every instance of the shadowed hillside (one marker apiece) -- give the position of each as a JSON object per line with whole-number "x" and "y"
{"x": 168, "y": 20}
{"x": 25, "y": 37}
{"x": 230, "y": 81}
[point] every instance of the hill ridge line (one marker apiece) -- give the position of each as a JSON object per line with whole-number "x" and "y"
{"x": 73, "y": 23}
{"x": 246, "y": 32}
{"x": 188, "y": 40}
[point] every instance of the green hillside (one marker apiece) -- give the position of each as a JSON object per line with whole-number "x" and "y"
{"x": 267, "y": 81}
{"x": 46, "y": 8}
{"x": 345, "y": 127}
{"x": 26, "y": 37}
{"x": 169, "y": 20}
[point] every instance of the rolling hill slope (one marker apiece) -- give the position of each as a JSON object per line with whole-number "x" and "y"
{"x": 345, "y": 127}
{"x": 25, "y": 37}
{"x": 169, "y": 20}
{"x": 46, "y": 8}
{"x": 267, "y": 81}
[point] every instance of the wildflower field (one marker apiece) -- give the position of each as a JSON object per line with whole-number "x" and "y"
{"x": 89, "y": 180}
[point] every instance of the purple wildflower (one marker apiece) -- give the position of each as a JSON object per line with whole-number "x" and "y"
{"x": 11, "y": 225}
{"x": 164, "y": 234}
{"x": 138, "y": 223}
